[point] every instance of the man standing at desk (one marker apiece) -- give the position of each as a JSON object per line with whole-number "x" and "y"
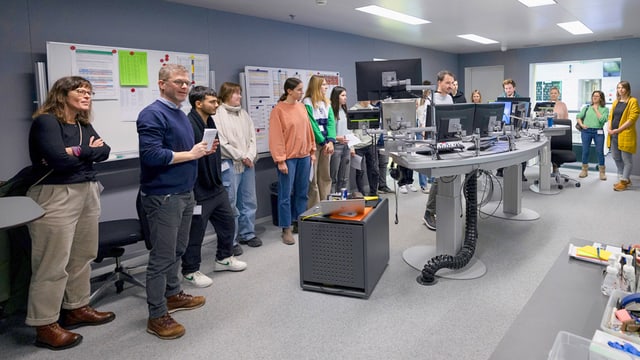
{"x": 168, "y": 168}
{"x": 440, "y": 97}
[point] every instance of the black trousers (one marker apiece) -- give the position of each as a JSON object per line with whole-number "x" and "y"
{"x": 216, "y": 210}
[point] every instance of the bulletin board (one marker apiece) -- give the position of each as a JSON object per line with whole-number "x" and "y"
{"x": 263, "y": 86}
{"x": 124, "y": 81}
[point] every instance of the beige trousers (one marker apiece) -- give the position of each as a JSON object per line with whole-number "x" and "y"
{"x": 320, "y": 186}
{"x": 64, "y": 243}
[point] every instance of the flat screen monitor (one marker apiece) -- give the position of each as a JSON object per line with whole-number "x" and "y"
{"x": 506, "y": 113}
{"x": 543, "y": 106}
{"x": 363, "y": 119}
{"x": 451, "y": 120}
{"x": 519, "y": 105}
{"x": 370, "y": 74}
{"x": 399, "y": 114}
{"x": 486, "y": 115}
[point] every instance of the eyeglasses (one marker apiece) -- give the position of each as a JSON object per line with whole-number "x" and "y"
{"x": 83, "y": 92}
{"x": 181, "y": 83}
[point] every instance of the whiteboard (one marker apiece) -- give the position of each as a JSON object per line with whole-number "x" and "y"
{"x": 124, "y": 81}
{"x": 263, "y": 86}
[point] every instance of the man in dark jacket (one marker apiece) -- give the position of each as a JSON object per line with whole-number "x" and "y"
{"x": 211, "y": 197}
{"x": 457, "y": 95}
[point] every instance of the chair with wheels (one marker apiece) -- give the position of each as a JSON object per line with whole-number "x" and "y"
{"x": 562, "y": 152}
{"x": 113, "y": 237}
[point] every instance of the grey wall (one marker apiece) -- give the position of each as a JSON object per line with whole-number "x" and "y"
{"x": 232, "y": 41}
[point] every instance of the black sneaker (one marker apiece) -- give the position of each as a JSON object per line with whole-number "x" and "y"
{"x": 253, "y": 242}
{"x": 237, "y": 250}
{"x": 429, "y": 219}
{"x": 384, "y": 190}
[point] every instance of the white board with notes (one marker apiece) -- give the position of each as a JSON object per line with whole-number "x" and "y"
{"x": 124, "y": 81}
{"x": 262, "y": 89}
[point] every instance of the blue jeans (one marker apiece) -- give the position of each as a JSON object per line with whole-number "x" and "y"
{"x": 587, "y": 136}
{"x": 422, "y": 178}
{"x": 292, "y": 190}
{"x": 242, "y": 197}
{"x": 169, "y": 219}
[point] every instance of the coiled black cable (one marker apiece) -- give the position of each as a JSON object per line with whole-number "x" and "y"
{"x": 462, "y": 258}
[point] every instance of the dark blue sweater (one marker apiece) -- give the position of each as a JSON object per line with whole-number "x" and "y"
{"x": 161, "y": 131}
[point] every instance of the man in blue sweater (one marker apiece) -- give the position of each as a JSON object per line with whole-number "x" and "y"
{"x": 168, "y": 169}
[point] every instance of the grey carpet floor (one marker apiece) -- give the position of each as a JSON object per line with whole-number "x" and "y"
{"x": 262, "y": 313}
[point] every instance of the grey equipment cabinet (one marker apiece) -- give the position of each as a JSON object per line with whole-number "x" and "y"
{"x": 345, "y": 257}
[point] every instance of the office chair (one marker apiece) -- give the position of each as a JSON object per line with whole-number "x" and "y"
{"x": 562, "y": 152}
{"x": 113, "y": 237}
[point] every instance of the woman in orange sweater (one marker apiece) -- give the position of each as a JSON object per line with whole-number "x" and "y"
{"x": 292, "y": 146}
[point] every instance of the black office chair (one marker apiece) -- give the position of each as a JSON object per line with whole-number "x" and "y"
{"x": 114, "y": 236}
{"x": 562, "y": 152}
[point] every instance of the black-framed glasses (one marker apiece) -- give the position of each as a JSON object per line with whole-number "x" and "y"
{"x": 181, "y": 83}
{"x": 84, "y": 92}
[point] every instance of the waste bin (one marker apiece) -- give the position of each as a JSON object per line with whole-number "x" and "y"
{"x": 274, "y": 203}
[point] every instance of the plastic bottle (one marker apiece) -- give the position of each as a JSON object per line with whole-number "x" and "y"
{"x": 629, "y": 274}
{"x": 610, "y": 281}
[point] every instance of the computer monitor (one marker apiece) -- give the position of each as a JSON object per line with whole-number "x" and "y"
{"x": 544, "y": 106}
{"x": 519, "y": 105}
{"x": 453, "y": 119}
{"x": 399, "y": 114}
{"x": 363, "y": 119}
{"x": 371, "y": 74}
{"x": 486, "y": 115}
{"x": 506, "y": 112}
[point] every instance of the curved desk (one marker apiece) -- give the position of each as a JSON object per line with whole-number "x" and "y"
{"x": 450, "y": 234}
{"x": 18, "y": 210}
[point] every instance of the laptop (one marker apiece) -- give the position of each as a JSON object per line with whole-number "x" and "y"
{"x": 350, "y": 207}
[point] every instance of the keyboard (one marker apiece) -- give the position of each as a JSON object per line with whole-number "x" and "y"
{"x": 483, "y": 146}
{"x": 450, "y": 146}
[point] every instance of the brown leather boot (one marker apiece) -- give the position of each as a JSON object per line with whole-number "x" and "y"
{"x": 603, "y": 174}
{"x": 165, "y": 327}
{"x": 287, "y": 236}
{"x": 182, "y": 301}
{"x": 585, "y": 171}
{"x": 622, "y": 185}
{"x": 86, "y": 315}
{"x": 54, "y": 337}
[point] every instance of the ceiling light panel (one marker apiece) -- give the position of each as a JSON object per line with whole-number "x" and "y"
{"x": 394, "y": 15}
{"x": 478, "y": 39}
{"x": 534, "y": 3}
{"x": 575, "y": 27}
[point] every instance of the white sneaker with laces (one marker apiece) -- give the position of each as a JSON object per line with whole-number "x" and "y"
{"x": 198, "y": 279}
{"x": 403, "y": 189}
{"x": 230, "y": 264}
{"x": 413, "y": 188}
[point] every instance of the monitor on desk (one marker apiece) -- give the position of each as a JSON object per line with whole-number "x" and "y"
{"x": 486, "y": 115}
{"x": 452, "y": 120}
{"x": 363, "y": 119}
{"x": 399, "y": 114}
{"x": 506, "y": 112}
{"x": 372, "y": 78}
{"x": 519, "y": 105}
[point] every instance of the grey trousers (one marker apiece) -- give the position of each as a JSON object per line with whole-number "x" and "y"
{"x": 169, "y": 218}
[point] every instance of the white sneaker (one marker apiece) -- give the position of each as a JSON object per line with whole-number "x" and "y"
{"x": 230, "y": 264}
{"x": 413, "y": 188}
{"x": 403, "y": 189}
{"x": 198, "y": 279}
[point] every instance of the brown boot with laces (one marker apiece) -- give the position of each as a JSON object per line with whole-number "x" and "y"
{"x": 287, "y": 236}
{"x": 54, "y": 337}
{"x": 165, "y": 327}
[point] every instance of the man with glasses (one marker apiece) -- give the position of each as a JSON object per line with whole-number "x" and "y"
{"x": 168, "y": 170}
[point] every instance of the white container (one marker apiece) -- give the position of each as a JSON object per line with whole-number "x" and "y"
{"x": 568, "y": 346}
{"x": 608, "y": 314}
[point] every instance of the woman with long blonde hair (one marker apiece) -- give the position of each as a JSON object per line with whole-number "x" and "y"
{"x": 323, "y": 124}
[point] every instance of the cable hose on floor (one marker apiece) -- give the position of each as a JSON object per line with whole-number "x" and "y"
{"x": 462, "y": 258}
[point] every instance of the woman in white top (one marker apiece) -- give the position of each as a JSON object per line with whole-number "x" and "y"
{"x": 342, "y": 153}
{"x": 238, "y": 143}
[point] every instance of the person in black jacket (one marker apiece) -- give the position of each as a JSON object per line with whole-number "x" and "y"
{"x": 64, "y": 146}
{"x": 211, "y": 197}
